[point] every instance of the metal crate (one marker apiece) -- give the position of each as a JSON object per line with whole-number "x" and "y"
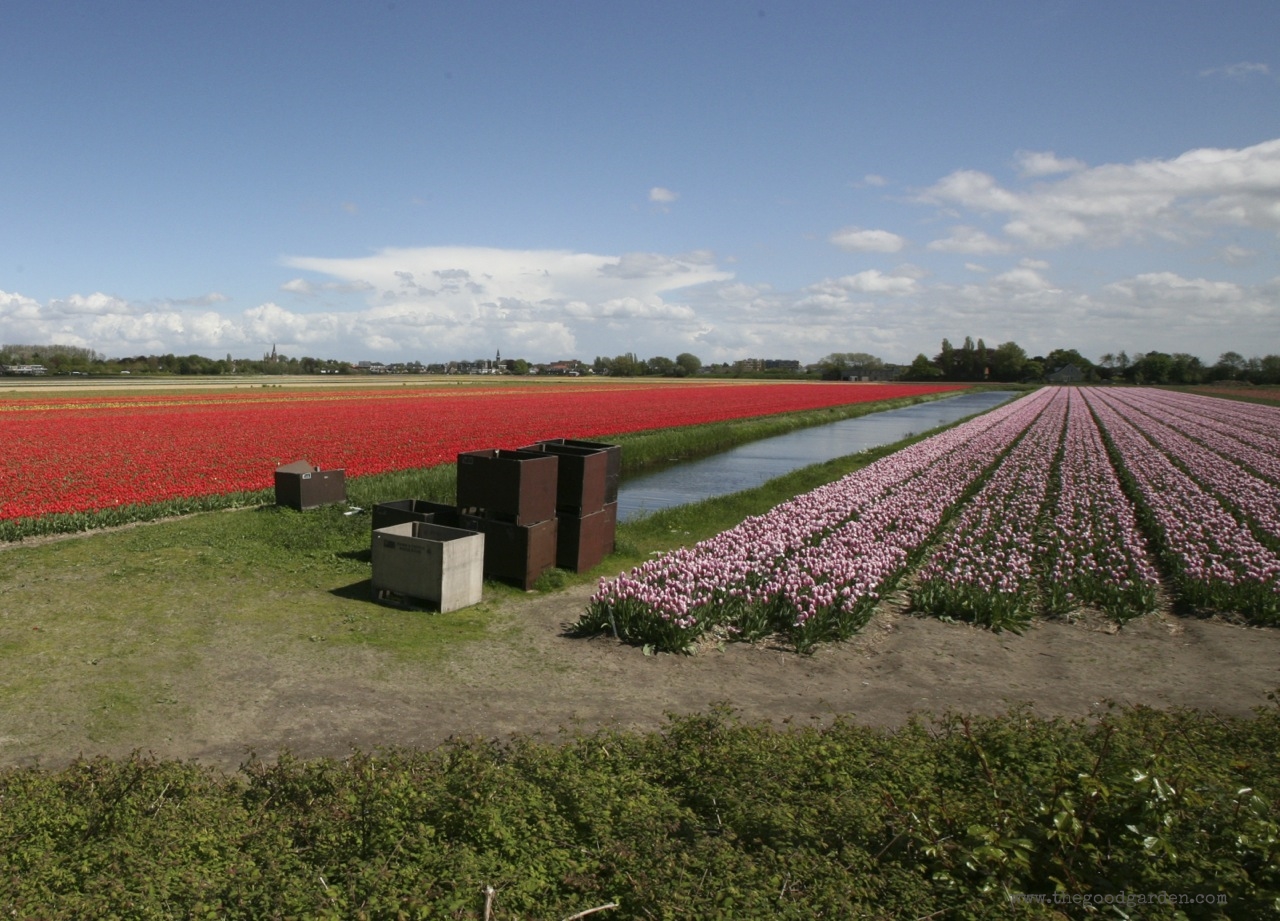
{"x": 514, "y": 486}
{"x": 613, "y": 469}
{"x": 302, "y": 486}
{"x": 585, "y": 540}
{"x": 582, "y": 479}
{"x": 516, "y": 553}
{"x": 386, "y": 514}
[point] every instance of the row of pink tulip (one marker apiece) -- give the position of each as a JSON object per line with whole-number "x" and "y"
{"x": 1043, "y": 521}
{"x": 1052, "y": 529}
{"x": 1214, "y": 557}
{"x": 1253, "y": 422}
{"x": 1234, "y": 435}
{"x": 1245, "y": 433}
{"x": 984, "y": 568}
{"x": 811, "y": 568}
{"x": 1093, "y": 544}
{"x": 1209, "y": 459}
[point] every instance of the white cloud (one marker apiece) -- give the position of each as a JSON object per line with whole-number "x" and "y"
{"x": 1176, "y": 200}
{"x": 1033, "y": 164}
{"x": 1238, "y": 71}
{"x": 306, "y": 288}
{"x": 660, "y": 196}
{"x": 871, "y": 281}
{"x": 203, "y": 300}
{"x": 1233, "y": 254}
{"x": 1169, "y": 287}
{"x": 969, "y": 241}
{"x": 434, "y": 303}
{"x": 1023, "y": 278}
{"x": 857, "y": 240}
{"x": 428, "y": 303}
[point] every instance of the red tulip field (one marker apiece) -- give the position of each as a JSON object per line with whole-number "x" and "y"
{"x": 66, "y": 455}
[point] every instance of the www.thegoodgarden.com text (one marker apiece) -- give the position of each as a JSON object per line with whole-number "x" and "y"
{"x": 1122, "y": 898}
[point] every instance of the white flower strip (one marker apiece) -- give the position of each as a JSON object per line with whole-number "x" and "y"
{"x": 1251, "y": 422}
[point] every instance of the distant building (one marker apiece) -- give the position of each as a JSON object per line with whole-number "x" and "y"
{"x": 880, "y": 374}
{"x": 26, "y": 370}
{"x": 1069, "y": 374}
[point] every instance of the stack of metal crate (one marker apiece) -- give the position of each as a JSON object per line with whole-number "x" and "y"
{"x": 586, "y": 500}
{"x": 510, "y": 497}
{"x": 553, "y": 503}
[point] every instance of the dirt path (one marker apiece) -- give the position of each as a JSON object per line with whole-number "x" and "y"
{"x": 536, "y": 681}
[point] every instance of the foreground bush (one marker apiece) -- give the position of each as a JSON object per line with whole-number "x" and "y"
{"x": 710, "y": 818}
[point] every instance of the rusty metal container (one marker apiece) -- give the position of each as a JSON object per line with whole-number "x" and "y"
{"x": 302, "y": 486}
{"x": 516, "y": 553}
{"x": 514, "y": 486}
{"x": 582, "y": 478}
{"x": 429, "y": 562}
{"x": 613, "y": 466}
{"x": 386, "y": 514}
{"x": 585, "y": 540}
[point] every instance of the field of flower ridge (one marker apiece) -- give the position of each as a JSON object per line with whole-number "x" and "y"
{"x": 65, "y": 455}
{"x": 1066, "y": 496}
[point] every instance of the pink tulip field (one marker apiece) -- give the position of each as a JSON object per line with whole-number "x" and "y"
{"x": 1065, "y": 497}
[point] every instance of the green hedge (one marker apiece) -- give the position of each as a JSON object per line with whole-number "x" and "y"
{"x": 710, "y": 818}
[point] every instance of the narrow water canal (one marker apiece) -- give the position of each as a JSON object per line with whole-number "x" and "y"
{"x": 749, "y": 465}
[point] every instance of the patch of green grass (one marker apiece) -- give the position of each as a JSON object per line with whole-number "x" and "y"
{"x": 114, "y": 707}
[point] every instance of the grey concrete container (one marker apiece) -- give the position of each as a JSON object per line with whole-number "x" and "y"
{"x": 429, "y": 562}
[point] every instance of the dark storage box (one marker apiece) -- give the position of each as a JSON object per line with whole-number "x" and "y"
{"x": 517, "y": 553}
{"x": 582, "y": 477}
{"x": 385, "y": 514}
{"x": 301, "y": 486}
{"x": 514, "y": 486}
{"x": 585, "y": 540}
{"x": 613, "y": 466}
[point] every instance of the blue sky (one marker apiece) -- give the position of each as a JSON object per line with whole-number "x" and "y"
{"x": 408, "y": 180}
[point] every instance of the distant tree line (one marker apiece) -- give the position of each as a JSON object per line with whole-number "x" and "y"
{"x": 628, "y": 365}
{"x": 69, "y": 359}
{"x": 1008, "y": 362}
{"x": 973, "y": 360}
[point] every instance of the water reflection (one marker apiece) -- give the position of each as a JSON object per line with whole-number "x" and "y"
{"x": 750, "y": 465}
